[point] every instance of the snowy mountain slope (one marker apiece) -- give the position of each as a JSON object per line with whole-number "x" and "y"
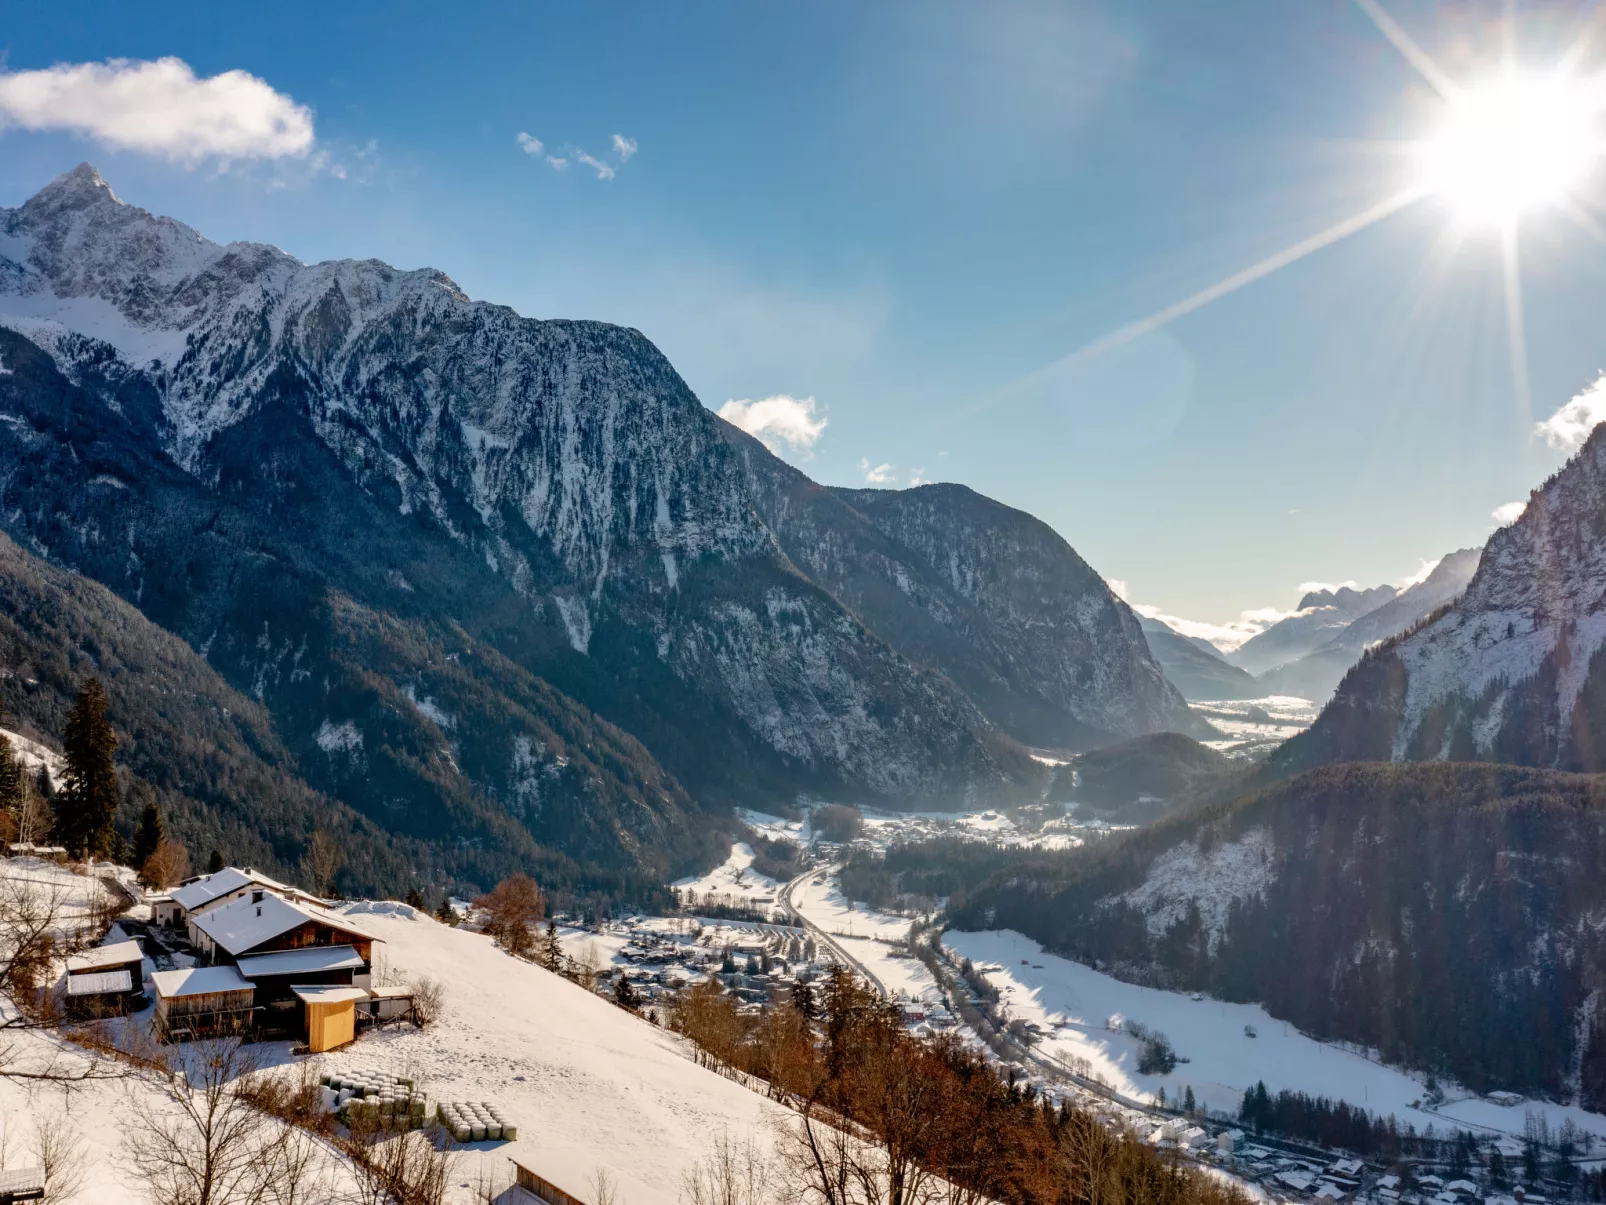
{"x": 551, "y": 485}
{"x": 1317, "y": 674}
{"x": 1512, "y": 671}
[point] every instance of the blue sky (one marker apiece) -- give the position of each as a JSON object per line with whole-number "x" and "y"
{"x": 905, "y": 211}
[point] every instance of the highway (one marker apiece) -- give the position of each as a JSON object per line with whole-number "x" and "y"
{"x": 821, "y": 936}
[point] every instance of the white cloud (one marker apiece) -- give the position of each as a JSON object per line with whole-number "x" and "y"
{"x": 159, "y": 108}
{"x": 559, "y": 164}
{"x": 1421, "y": 575}
{"x": 624, "y": 147}
{"x": 1568, "y": 428}
{"x": 880, "y": 474}
{"x": 778, "y": 421}
{"x": 1509, "y": 513}
{"x": 531, "y": 144}
{"x": 918, "y": 477}
{"x": 605, "y": 171}
{"x": 1118, "y": 587}
{"x": 1225, "y": 636}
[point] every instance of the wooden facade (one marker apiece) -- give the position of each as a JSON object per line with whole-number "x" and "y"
{"x": 203, "y": 1014}
{"x": 549, "y": 1192}
{"x": 330, "y": 1025}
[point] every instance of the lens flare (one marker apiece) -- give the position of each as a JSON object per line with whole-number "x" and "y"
{"x": 1515, "y": 144}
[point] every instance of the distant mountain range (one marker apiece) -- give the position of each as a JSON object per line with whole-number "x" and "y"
{"x": 1307, "y": 653}
{"x": 473, "y": 565}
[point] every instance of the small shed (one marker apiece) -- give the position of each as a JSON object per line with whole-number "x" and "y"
{"x": 539, "y": 1186}
{"x": 22, "y": 1184}
{"x": 197, "y": 1001}
{"x": 331, "y": 1015}
{"x": 106, "y": 981}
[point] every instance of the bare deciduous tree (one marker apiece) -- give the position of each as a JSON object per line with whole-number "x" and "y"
{"x": 321, "y": 861}
{"x": 429, "y": 1000}
{"x": 512, "y": 910}
{"x": 604, "y": 1188}
{"x": 170, "y": 864}
{"x": 393, "y": 1165}
{"x": 203, "y": 1142}
{"x": 59, "y": 1152}
{"x": 733, "y": 1173}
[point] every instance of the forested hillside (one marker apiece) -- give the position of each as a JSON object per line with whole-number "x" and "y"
{"x": 1451, "y": 916}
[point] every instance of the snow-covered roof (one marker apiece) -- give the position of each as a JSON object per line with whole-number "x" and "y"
{"x": 198, "y": 893}
{"x": 198, "y": 981}
{"x": 244, "y": 923}
{"x": 105, "y": 956}
{"x": 301, "y": 962}
{"x": 329, "y": 995}
{"x": 100, "y": 983}
{"x": 21, "y": 1179}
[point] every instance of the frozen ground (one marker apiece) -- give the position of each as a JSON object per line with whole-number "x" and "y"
{"x": 1250, "y": 724}
{"x": 734, "y": 882}
{"x": 589, "y": 1085}
{"x": 1074, "y": 1004}
{"x": 874, "y": 938}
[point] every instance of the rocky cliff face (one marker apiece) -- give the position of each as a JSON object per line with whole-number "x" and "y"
{"x": 1510, "y": 672}
{"x": 551, "y": 491}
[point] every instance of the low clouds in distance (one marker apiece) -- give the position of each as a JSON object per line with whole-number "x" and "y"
{"x": 159, "y": 107}
{"x": 780, "y": 423}
{"x": 1509, "y": 513}
{"x": 624, "y": 149}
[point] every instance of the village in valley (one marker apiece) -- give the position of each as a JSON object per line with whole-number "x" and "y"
{"x": 447, "y": 1045}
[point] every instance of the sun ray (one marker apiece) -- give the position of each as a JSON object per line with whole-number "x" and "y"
{"x": 1414, "y": 54}
{"x": 1574, "y": 54}
{"x": 1231, "y": 284}
{"x": 1516, "y": 333}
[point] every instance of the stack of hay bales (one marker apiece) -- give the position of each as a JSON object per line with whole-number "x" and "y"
{"x": 476, "y": 1121}
{"x": 365, "y": 1095}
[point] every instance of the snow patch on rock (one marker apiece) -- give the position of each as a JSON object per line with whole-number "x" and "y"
{"x": 1213, "y": 879}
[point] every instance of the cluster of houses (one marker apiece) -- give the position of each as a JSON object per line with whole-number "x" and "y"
{"x": 262, "y": 957}
{"x": 1296, "y": 1178}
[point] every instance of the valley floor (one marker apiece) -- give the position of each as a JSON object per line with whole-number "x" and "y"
{"x": 1075, "y": 1004}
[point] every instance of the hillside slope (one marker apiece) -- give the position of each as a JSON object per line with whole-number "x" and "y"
{"x": 1429, "y": 911}
{"x": 1200, "y": 673}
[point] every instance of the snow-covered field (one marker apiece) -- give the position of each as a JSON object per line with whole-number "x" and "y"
{"x": 589, "y": 1086}
{"x": 734, "y": 882}
{"x": 1248, "y": 724}
{"x": 874, "y": 938}
{"x": 1074, "y": 1005}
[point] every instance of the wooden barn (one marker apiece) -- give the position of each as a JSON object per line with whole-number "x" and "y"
{"x": 261, "y": 922}
{"x": 107, "y": 981}
{"x": 201, "y": 1002}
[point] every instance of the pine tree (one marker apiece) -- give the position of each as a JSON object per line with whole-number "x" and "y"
{"x": 1188, "y": 1102}
{"x": 624, "y": 993}
{"x": 414, "y": 899}
{"x": 444, "y": 913}
{"x": 11, "y": 774}
{"x": 215, "y": 862}
{"x": 88, "y": 802}
{"x": 148, "y": 835}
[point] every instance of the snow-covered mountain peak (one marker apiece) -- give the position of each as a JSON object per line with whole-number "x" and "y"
{"x": 80, "y": 188}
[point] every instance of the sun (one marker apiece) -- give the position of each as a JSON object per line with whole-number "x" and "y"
{"x": 1516, "y": 143}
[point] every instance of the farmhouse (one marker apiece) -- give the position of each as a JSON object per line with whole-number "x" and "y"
{"x": 178, "y": 907}
{"x": 104, "y": 982}
{"x": 262, "y": 922}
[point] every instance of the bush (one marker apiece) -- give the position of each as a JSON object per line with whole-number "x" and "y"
{"x": 837, "y": 822}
